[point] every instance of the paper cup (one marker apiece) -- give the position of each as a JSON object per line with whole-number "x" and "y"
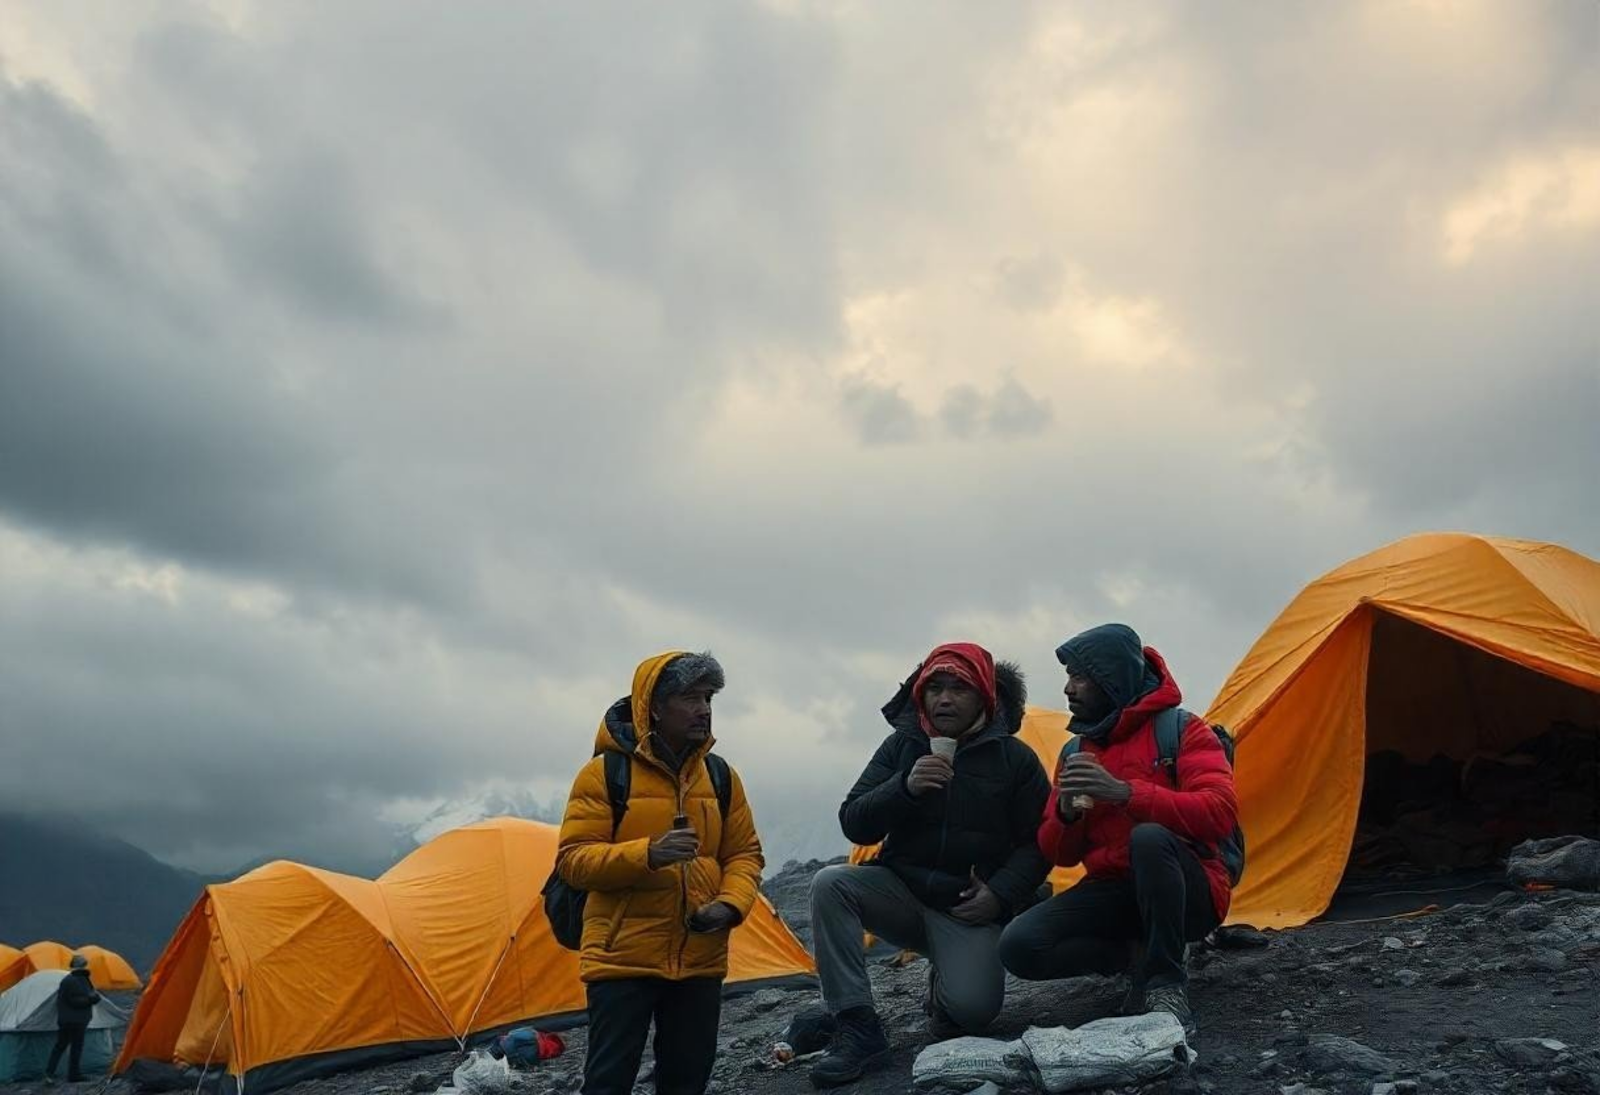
{"x": 944, "y": 747}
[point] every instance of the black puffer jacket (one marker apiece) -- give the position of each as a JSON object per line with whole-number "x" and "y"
{"x": 987, "y": 820}
{"x": 75, "y": 999}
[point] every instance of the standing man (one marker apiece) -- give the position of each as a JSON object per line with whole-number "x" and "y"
{"x": 1148, "y": 841}
{"x": 665, "y": 886}
{"x": 75, "y": 1001}
{"x": 954, "y": 799}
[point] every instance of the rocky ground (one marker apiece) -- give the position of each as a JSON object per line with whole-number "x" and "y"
{"x": 1502, "y": 997}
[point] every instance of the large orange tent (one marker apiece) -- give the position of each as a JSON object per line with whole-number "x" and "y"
{"x": 1439, "y": 644}
{"x": 290, "y": 971}
{"x": 109, "y": 971}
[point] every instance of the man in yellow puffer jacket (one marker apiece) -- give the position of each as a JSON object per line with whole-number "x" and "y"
{"x": 666, "y": 888}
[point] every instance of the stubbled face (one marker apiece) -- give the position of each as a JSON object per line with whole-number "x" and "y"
{"x": 1085, "y": 699}
{"x": 951, "y": 704}
{"x": 685, "y": 717}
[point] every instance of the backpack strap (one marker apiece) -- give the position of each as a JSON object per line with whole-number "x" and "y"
{"x": 721, "y": 781}
{"x": 619, "y": 777}
{"x": 1169, "y": 739}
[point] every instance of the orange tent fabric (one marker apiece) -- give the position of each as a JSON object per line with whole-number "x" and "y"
{"x": 290, "y": 962}
{"x": 108, "y": 969}
{"x": 1426, "y": 646}
{"x": 11, "y": 966}
{"x": 1046, "y": 732}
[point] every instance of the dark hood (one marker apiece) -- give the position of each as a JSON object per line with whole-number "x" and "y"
{"x": 1114, "y": 658}
{"x": 1011, "y": 698}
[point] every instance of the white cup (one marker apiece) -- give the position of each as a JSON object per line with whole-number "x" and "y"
{"x": 944, "y": 747}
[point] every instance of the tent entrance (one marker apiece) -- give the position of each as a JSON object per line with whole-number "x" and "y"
{"x": 1468, "y": 754}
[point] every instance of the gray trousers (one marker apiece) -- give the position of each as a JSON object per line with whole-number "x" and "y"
{"x": 847, "y": 901}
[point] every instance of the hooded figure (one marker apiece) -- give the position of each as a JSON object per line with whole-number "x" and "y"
{"x": 1147, "y": 841}
{"x": 75, "y": 1001}
{"x": 666, "y": 887}
{"x": 957, "y": 857}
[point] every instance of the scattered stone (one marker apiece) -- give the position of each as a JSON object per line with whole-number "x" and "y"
{"x": 768, "y": 1000}
{"x": 1238, "y": 937}
{"x": 421, "y": 1083}
{"x": 1390, "y": 943}
{"x": 1529, "y": 918}
{"x": 1397, "y": 1087}
{"x": 1407, "y": 978}
{"x": 1544, "y": 961}
{"x": 1454, "y": 977}
{"x": 1301, "y": 1089}
{"x": 986, "y": 1088}
{"x": 1529, "y": 1052}
{"x": 1331, "y": 1053}
{"x": 1572, "y": 862}
{"x": 1435, "y": 1077}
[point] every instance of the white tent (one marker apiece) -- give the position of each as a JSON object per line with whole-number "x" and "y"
{"x": 28, "y": 1028}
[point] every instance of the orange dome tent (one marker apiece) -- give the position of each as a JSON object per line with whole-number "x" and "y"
{"x": 1439, "y": 644}
{"x": 109, "y": 971}
{"x": 290, "y": 971}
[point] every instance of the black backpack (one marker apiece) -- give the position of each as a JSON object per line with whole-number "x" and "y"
{"x": 564, "y": 904}
{"x": 1169, "y": 739}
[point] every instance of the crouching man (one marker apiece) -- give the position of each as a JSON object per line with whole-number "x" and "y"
{"x": 954, "y": 798}
{"x": 665, "y": 887}
{"x": 1148, "y": 838}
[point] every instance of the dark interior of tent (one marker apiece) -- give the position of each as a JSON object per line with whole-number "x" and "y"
{"x": 1468, "y": 754}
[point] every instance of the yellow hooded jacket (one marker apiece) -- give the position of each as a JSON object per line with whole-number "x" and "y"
{"x": 635, "y": 923}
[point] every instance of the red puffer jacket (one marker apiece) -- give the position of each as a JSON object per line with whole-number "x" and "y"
{"x": 1202, "y": 808}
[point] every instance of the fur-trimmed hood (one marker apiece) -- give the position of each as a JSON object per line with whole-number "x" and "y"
{"x": 1011, "y": 698}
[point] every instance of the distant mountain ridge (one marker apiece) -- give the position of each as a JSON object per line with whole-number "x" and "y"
{"x": 64, "y": 882}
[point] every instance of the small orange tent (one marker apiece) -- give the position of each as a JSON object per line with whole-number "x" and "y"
{"x": 107, "y": 969}
{"x": 1045, "y": 731}
{"x": 1438, "y": 644}
{"x": 290, "y": 971}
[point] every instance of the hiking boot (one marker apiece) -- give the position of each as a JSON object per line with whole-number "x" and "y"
{"x": 941, "y": 1028}
{"x": 1173, "y": 1000}
{"x": 858, "y": 1046}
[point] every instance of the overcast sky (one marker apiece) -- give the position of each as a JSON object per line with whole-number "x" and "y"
{"x": 378, "y": 384}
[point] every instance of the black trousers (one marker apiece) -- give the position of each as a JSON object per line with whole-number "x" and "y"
{"x": 69, "y": 1036}
{"x": 1164, "y": 903}
{"x": 687, "y": 1015}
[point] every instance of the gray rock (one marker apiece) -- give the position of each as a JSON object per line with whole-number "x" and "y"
{"x": 1407, "y": 977}
{"x": 1529, "y": 918}
{"x": 769, "y": 1000}
{"x": 1331, "y": 1053}
{"x": 1454, "y": 977}
{"x": 1398, "y": 1087}
{"x": 986, "y": 1088}
{"x": 1543, "y": 961}
{"x": 1390, "y": 943}
{"x": 1300, "y": 1089}
{"x": 1529, "y": 1052}
{"x": 422, "y": 1082}
{"x": 1569, "y": 861}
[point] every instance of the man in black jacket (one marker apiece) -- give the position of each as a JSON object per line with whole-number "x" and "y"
{"x": 75, "y": 1001}
{"x": 956, "y": 822}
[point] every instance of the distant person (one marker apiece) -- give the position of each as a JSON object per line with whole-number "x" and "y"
{"x": 75, "y": 1001}
{"x": 666, "y": 887}
{"x": 958, "y": 856}
{"x": 1148, "y": 840}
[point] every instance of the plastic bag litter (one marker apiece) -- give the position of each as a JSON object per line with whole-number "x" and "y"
{"x": 964, "y": 1063}
{"x": 1107, "y": 1052}
{"x": 482, "y": 1074}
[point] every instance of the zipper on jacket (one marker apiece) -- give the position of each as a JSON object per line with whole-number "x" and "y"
{"x": 944, "y": 829}
{"x": 683, "y": 885}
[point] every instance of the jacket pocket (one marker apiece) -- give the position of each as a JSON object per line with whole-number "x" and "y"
{"x": 617, "y": 915}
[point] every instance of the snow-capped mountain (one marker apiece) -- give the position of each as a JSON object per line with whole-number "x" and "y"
{"x": 487, "y": 802}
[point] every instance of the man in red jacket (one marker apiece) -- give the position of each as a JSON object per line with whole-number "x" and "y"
{"x": 1147, "y": 840}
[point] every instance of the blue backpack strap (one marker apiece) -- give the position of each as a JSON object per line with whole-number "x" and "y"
{"x": 619, "y": 777}
{"x": 1169, "y": 739}
{"x": 721, "y": 781}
